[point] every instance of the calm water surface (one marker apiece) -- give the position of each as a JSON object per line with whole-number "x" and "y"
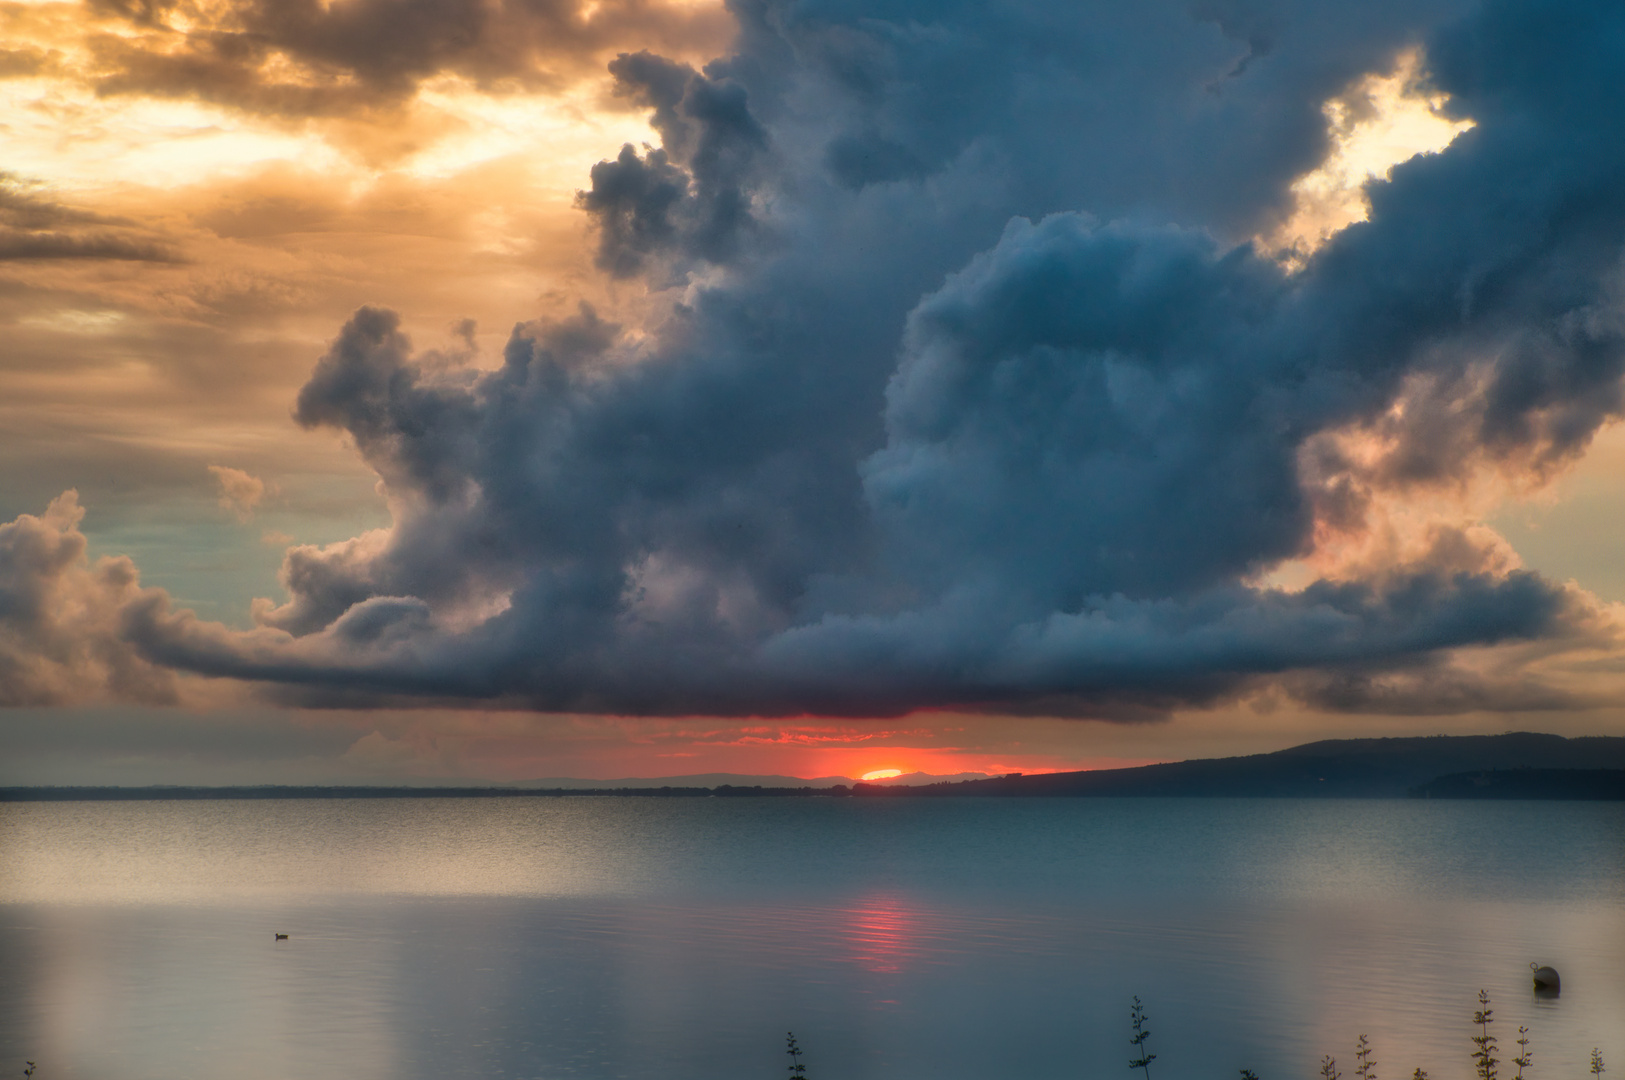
{"x": 680, "y": 939}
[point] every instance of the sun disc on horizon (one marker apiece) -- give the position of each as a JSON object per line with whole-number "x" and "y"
{"x": 881, "y": 774}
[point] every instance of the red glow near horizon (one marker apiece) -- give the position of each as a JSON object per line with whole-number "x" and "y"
{"x": 613, "y": 748}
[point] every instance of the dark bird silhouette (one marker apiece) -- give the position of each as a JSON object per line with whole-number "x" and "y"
{"x": 282, "y": 937}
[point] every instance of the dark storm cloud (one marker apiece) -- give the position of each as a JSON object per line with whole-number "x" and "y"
{"x": 953, "y": 418}
{"x": 1108, "y": 108}
{"x": 361, "y": 53}
{"x": 688, "y": 200}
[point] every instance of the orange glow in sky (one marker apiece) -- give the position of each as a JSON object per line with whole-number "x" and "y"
{"x": 881, "y": 774}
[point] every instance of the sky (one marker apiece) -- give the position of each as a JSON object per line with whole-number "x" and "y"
{"x": 416, "y": 391}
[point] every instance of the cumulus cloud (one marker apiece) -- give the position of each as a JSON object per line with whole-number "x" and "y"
{"x": 967, "y": 391}
{"x": 690, "y": 199}
{"x": 61, "y": 636}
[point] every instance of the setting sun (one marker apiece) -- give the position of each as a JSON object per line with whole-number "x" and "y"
{"x": 881, "y": 774}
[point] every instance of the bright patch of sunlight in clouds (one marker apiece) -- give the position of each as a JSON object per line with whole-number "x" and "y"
{"x": 450, "y": 128}
{"x": 562, "y": 135}
{"x": 137, "y": 140}
{"x": 73, "y": 321}
{"x": 1383, "y": 121}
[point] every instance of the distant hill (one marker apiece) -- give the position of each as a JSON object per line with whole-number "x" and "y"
{"x": 1527, "y": 784}
{"x": 1332, "y": 768}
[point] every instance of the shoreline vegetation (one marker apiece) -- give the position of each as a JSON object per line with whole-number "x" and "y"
{"x": 1486, "y": 1066}
{"x": 1513, "y": 766}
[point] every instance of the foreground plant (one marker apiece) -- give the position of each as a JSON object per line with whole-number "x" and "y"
{"x": 1141, "y": 1033}
{"x": 1366, "y": 1069}
{"x": 797, "y": 1069}
{"x": 1328, "y": 1068}
{"x": 1524, "y": 1057}
{"x": 1484, "y": 1059}
{"x": 1597, "y": 1067}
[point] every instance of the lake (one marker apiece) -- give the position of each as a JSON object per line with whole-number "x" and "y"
{"x": 681, "y": 939}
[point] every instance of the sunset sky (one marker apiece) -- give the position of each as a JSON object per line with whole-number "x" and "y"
{"x": 466, "y": 390}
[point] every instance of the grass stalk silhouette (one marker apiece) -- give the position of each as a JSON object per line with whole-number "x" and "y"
{"x": 1141, "y": 1033}
{"x": 1524, "y": 1056}
{"x": 798, "y": 1071}
{"x": 1366, "y": 1069}
{"x": 1484, "y": 1059}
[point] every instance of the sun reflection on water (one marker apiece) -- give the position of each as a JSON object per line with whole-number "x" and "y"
{"x": 883, "y": 933}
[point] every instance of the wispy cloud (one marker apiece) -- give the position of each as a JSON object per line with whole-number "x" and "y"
{"x": 33, "y": 226}
{"x": 240, "y": 492}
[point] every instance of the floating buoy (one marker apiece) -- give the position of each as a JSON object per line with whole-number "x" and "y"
{"x": 1546, "y": 978}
